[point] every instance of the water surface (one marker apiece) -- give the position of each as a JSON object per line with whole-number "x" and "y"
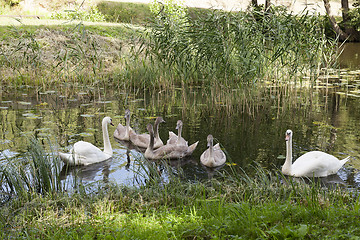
{"x": 249, "y": 124}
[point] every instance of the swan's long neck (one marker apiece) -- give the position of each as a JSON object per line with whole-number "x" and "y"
{"x": 127, "y": 127}
{"x": 179, "y": 133}
{"x": 211, "y": 149}
{"x": 151, "y": 144}
{"x": 107, "y": 144}
{"x": 156, "y": 129}
{"x": 286, "y": 168}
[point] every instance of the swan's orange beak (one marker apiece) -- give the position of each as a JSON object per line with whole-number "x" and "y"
{"x": 287, "y": 137}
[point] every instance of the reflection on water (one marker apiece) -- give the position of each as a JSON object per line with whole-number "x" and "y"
{"x": 350, "y": 56}
{"x": 249, "y": 124}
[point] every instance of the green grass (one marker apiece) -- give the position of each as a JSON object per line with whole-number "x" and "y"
{"x": 229, "y": 208}
{"x": 233, "y": 206}
{"x": 134, "y": 13}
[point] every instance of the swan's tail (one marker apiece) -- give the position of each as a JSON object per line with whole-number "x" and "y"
{"x": 345, "y": 160}
{"x": 192, "y": 148}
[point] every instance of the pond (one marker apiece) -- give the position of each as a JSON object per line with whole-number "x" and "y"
{"x": 249, "y": 124}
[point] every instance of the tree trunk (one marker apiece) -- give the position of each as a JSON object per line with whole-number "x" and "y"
{"x": 267, "y": 5}
{"x": 345, "y": 10}
{"x": 342, "y": 35}
{"x": 349, "y": 33}
{"x": 350, "y": 30}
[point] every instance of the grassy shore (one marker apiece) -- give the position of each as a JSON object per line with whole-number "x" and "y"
{"x": 234, "y": 205}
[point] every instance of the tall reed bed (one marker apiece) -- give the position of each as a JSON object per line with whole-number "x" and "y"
{"x": 178, "y": 47}
{"x": 231, "y": 48}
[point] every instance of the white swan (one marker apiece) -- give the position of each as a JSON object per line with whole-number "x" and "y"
{"x": 177, "y": 139}
{"x": 85, "y": 153}
{"x": 168, "y": 151}
{"x": 311, "y": 164}
{"x": 213, "y": 156}
{"x": 123, "y": 132}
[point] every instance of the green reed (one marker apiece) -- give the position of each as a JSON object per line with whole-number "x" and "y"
{"x": 36, "y": 172}
{"x": 205, "y": 48}
{"x": 237, "y": 47}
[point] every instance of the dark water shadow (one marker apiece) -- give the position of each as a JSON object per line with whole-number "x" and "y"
{"x": 129, "y": 145}
{"x": 328, "y": 182}
{"x": 211, "y": 172}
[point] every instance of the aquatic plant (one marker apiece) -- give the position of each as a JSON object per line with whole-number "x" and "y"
{"x": 36, "y": 172}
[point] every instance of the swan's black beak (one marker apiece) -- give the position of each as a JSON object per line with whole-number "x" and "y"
{"x": 111, "y": 124}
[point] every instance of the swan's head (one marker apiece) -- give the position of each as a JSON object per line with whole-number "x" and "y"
{"x": 288, "y": 135}
{"x": 108, "y": 120}
{"x": 179, "y": 124}
{"x": 210, "y": 140}
{"x": 159, "y": 120}
{"x": 127, "y": 113}
{"x": 150, "y": 128}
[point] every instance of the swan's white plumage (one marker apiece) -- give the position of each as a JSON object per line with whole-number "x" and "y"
{"x": 85, "y": 153}
{"x": 311, "y": 164}
{"x": 213, "y": 156}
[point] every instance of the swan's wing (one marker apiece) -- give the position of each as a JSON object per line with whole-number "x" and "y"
{"x": 170, "y": 151}
{"x": 217, "y": 147}
{"x": 182, "y": 141}
{"x": 140, "y": 140}
{"x": 67, "y": 158}
{"x": 317, "y": 164}
{"x": 120, "y": 132}
{"x": 86, "y": 153}
{"x": 204, "y": 156}
{"x": 158, "y": 143}
{"x": 219, "y": 157}
{"x": 172, "y": 138}
{"x": 178, "y": 151}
